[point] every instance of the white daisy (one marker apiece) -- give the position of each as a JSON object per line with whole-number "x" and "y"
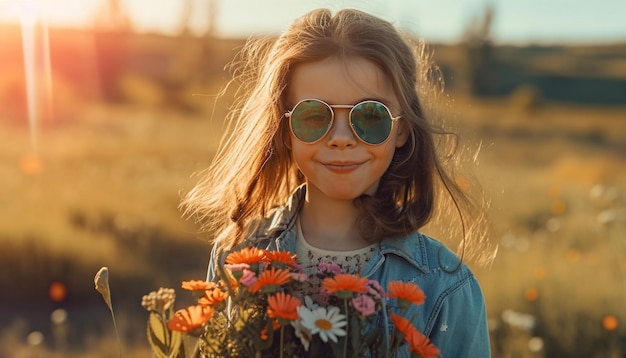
{"x": 303, "y": 333}
{"x": 308, "y": 302}
{"x": 327, "y": 323}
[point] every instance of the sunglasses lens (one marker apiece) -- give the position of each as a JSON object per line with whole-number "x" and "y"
{"x": 371, "y": 122}
{"x": 310, "y": 120}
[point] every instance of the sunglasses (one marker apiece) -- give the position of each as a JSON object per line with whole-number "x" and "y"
{"x": 311, "y": 119}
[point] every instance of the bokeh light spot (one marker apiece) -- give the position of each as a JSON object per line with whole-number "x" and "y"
{"x": 57, "y": 291}
{"x": 31, "y": 164}
{"x": 531, "y": 294}
{"x": 610, "y": 322}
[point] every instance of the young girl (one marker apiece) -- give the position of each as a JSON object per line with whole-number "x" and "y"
{"x": 332, "y": 158}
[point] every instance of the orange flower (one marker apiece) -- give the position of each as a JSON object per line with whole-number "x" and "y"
{"x": 248, "y": 255}
{"x": 190, "y": 318}
{"x": 271, "y": 277}
{"x": 402, "y": 324}
{"x": 213, "y": 297}
{"x": 282, "y": 305}
{"x": 345, "y": 282}
{"x": 406, "y": 293}
{"x": 283, "y": 257}
{"x": 421, "y": 345}
{"x": 198, "y": 285}
{"x": 264, "y": 335}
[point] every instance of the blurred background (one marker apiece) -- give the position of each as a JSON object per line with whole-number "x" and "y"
{"x": 109, "y": 109}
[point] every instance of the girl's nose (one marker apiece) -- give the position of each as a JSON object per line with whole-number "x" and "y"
{"x": 341, "y": 134}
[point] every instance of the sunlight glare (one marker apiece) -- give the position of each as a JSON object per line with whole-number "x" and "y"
{"x": 37, "y": 68}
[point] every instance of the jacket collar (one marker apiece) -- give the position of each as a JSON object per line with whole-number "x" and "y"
{"x": 411, "y": 248}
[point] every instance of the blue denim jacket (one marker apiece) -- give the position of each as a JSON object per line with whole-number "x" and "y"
{"x": 454, "y": 314}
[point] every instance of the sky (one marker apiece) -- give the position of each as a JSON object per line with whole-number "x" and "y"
{"x": 515, "y": 21}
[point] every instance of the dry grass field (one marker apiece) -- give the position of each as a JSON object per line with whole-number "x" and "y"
{"x": 100, "y": 186}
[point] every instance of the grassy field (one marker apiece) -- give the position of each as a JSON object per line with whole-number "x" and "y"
{"x": 100, "y": 184}
{"x": 106, "y": 192}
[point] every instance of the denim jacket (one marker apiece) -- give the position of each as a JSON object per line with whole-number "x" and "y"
{"x": 454, "y": 314}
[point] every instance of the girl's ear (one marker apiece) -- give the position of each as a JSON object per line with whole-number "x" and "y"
{"x": 402, "y": 135}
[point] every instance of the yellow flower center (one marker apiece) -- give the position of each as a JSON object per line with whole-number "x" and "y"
{"x": 324, "y": 324}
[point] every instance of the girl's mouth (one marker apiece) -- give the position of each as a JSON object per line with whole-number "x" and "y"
{"x": 342, "y": 168}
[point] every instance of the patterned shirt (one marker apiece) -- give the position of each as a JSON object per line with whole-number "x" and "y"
{"x": 312, "y": 259}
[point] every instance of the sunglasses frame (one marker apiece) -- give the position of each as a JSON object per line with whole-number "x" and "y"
{"x": 351, "y": 107}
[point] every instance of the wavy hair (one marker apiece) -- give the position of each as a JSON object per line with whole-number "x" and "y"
{"x": 253, "y": 170}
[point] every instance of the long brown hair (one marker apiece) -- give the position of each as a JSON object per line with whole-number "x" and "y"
{"x": 253, "y": 171}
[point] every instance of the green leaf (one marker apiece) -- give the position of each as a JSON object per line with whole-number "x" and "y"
{"x": 175, "y": 345}
{"x": 164, "y": 343}
{"x": 157, "y": 335}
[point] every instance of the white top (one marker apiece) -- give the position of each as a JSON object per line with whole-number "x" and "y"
{"x": 310, "y": 257}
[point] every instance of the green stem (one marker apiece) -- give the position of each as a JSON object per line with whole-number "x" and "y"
{"x": 345, "y": 342}
{"x": 117, "y": 334}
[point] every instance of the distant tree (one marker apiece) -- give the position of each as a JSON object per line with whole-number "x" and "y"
{"x": 479, "y": 53}
{"x": 112, "y": 17}
{"x": 112, "y": 24}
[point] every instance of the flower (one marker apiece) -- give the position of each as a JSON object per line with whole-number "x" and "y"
{"x": 406, "y": 293}
{"x": 272, "y": 277}
{"x": 282, "y": 258}
{"x": 190, "y": 318}
{"x": 375, "y": 289}
{"x": 159, "y": 301}
{"x": 255, "y": 308}
{"x": 213, "y": 297}
{"x": 248, "y": 278}
{"x": 303, "y": 333}
{"x": 299, "y": 276}
{"x": 421, "y": 345}
{"x": 418, "y": 343}
{"x": 345, "y": 283}
{"x": 327, "y": 322}
{"x": 364, "y": 304}
{"x": 329, "y": 268}
{"x": 402, "y": 324}
{"x": 248, "y": 255}
{"x": 283, "y": 306}
{"x": 198, "y": 285}
{"x": 236, "y": 267}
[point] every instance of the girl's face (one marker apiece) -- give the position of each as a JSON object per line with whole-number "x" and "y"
{"x": 340, "y": 165}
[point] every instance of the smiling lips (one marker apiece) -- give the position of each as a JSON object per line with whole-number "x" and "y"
{"x": 342, "y": 167}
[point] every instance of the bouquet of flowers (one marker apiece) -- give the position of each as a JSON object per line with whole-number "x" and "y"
{"x": 257, "y": 309}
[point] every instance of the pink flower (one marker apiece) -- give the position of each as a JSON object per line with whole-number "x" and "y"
{"x": 375, "y": 289}
{"x": 301, "y": 277}
{"x": 236, "y": 267}
{"x": 364, "y": 304}
{"x": 329, "y": 267}
{"x": 248, "y": 279}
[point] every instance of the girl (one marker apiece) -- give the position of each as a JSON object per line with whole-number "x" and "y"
{"x": 332, "y": 157}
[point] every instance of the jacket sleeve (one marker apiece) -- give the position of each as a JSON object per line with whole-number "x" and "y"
{"x": 460, "y": 329}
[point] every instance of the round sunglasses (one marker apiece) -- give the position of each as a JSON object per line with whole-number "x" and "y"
{"x": 311, "y": 119}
